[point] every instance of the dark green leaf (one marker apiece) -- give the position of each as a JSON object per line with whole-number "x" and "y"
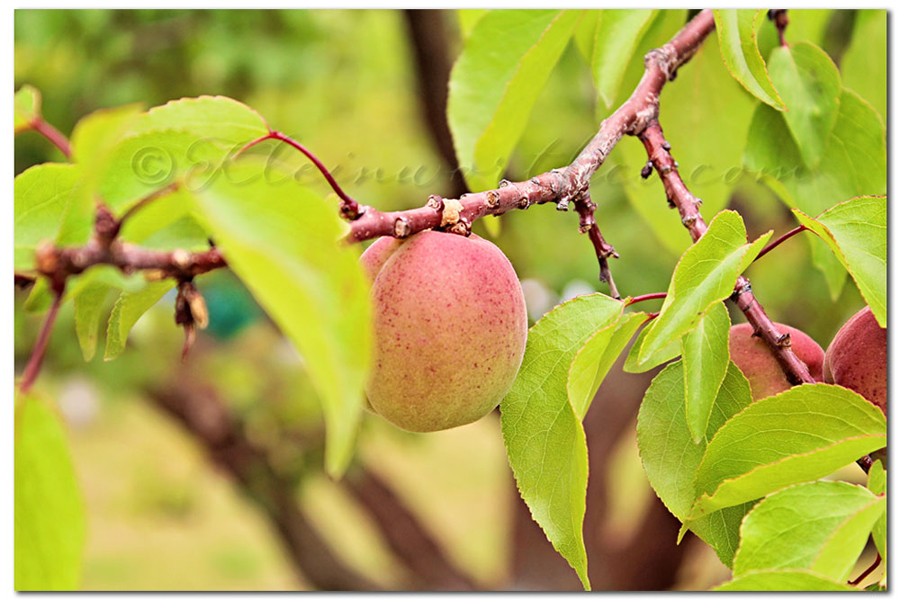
{"x": 810, "y": 86}
{"x": 864, "y": 64}
{"x": 670, "y": 456}
{"x": 544, "y": 438}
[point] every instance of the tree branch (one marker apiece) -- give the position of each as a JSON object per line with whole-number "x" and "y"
{"x": 561, "y": 186}
{"x": 33, "y": 368}
{"x": 202, "y": 413}
{"x": 406, "y": 537}
{"x": 689, "y": 209}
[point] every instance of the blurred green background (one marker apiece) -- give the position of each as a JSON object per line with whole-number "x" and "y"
{"x": 161, "y": 516}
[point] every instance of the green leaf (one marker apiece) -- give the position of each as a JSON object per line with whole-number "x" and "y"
{"x": 283, "y": 243}
{"x": 616, "y": 38}
{"x": 584, "y": 33}
{"x": 788, "y": 580}
{"x": 821, "y": 526}
{"x": 878, "y": 485}
{"x": 467, "y": 18}
{"x": 854, "y": 165}
{"x": 96, "y": 134}
{"x": 544, "y": 438}
{"x": 215, "y": 119}
{"x": 668, "y": 353}
{"x": 710, "y": 170}
{"x": 142, "y": 164}
{"x": 596, "y": 357}
{"x": 670, "y": 456}
{"x": 737, "y": 42}
{"x": 706, "y": 360}
{"x": 495, "y": 82}
{"x": 27, "y": 107}
{"x": 705, "y": 275}
{"x": 88, "y": 305}
{"x": 42, "y": 194}
{"x": 810, "y": 86}
{"x": 127, "y": 310}
{"x": 856, "y": 231}
{"x": 864, "y": 64}
{"x": 49, "y": 514}
{"x": 799, "y": 435}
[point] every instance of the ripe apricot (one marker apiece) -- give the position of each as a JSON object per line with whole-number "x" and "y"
{"x": 753, "y": 357}
{"x": 857, "y": 358}
{"x": 449, "y": 325}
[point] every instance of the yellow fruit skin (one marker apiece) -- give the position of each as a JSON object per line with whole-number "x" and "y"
{"x": 759, "y": 366}
{"x": 857, "y": 358}
{"x": 449, "y": 326}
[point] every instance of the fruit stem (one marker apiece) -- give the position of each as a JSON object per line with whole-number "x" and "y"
{"x": 780, "y": 240}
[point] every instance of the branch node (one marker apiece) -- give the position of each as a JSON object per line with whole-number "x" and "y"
{"x": 504, "y": 182}
{"x": 784, "y": 340}
{"x": 493, "y": 199}
{"x": 435, "y": 202}
{"x": 563, "y": 204}
{"x": 689, "y": 220}
{"x": 401, "y": 228}
{"x": 181, "y": 259}
{"x": 647, "y": 170}
{"x": 451, "y": 211}
{"x": 666, "y": 146}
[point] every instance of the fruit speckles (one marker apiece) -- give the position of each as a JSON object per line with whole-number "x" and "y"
{"x": 450, "y": 325}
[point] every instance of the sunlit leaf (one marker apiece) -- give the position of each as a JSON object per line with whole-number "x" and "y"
{"x": 49, "y": 513}
{"x": 799, "y": 435}
{"x": 596, "y": 357}
{"x": 127, "y": 310}
{"x": 544, "y": 438}
{"x": 821, "y": 526}
{"x": 706, "y": 359}
{"x": 788, "y": 580}
{"x": 27, "y": 107}
{"x": 283, "y": 242}
{"x": 616, "y": 37}
{"x": 88, "y": 306}
{"x": 214, "y": 119}
{"x": 673, "y": 350}
{"x": 506, "y": 60}
{"x": 705, "y": 275}
{"x": 42, "y": 194}
{"x": 856, "y": 231}
{"x": 737, "y": 42}
{"x": 878, "y": 485}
